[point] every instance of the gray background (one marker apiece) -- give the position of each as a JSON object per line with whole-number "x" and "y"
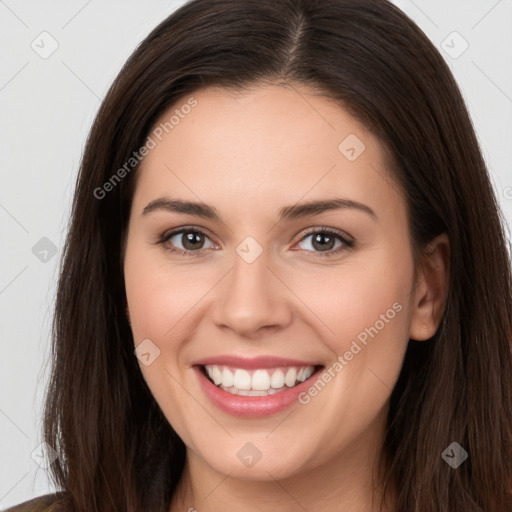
{"x": 47, "y": 104}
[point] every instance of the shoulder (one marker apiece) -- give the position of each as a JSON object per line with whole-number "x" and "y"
{"x": 45, "y": 503}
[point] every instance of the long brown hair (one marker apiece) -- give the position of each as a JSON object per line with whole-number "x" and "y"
{"x": 117, "y": 452}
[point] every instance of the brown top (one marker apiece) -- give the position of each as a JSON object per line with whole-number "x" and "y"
{"x": 39, "y": 504}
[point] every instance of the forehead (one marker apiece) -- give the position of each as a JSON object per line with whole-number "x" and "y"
{"x": 271, "y": 143}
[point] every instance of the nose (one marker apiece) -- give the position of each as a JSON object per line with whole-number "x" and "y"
{"x": 252, "y": 299}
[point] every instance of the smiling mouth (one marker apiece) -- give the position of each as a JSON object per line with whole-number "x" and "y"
{"x": 258, "y": 382}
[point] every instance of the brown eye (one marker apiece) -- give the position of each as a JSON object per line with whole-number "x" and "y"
{"x": 326, "y": 241}
{"x": 323, "y": 242}
{"x": 192, "y": 240}
{"x": 185, "y": 241}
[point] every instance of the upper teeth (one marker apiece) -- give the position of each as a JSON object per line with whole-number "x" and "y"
{"x": 258, "y": 380}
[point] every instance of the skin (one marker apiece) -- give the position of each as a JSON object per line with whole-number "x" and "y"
{"x": 248, "y": 155}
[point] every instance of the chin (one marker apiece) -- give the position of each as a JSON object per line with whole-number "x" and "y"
{"x": 256, "y": 460}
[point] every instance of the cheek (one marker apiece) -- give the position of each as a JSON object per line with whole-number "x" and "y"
{"x": 154, "y": 308}
{"x": 366, "y": 308}
{"x": 146, "y": 300}
{"x": 158, "y": 297}
{"x": 360, "y": 299}
{"x": 160, "y": 301}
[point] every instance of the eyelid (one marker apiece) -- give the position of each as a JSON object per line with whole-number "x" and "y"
{"x": 330, "y": 231}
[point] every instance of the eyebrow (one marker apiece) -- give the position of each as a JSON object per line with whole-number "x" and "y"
{"x": 292, "y": 212}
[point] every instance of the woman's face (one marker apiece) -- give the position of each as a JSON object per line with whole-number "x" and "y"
{"x": 262, "y": 298}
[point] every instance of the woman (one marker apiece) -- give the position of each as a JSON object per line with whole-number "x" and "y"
{"x": 286, "y": 283}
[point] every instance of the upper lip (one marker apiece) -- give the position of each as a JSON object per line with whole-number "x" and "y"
{"x": 253, "y": 362}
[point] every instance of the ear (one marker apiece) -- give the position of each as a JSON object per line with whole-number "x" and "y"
{"x": 430, "y": 289}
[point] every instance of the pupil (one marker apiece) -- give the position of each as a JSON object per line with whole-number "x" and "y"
{"x": 323, "y": 246}
{"x": 190, "y": 238}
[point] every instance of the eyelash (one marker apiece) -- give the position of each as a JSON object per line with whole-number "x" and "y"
{"x": 347, "y": 244}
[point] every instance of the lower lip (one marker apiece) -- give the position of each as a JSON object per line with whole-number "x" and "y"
{"x": 251, "y": 406}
